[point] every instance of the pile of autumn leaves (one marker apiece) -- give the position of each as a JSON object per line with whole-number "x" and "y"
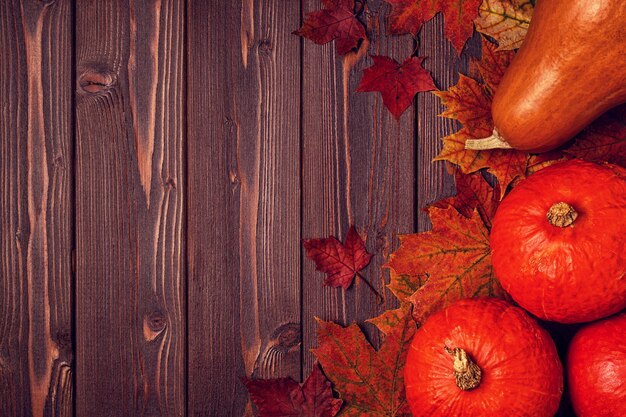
{"x": 433, "y": 269}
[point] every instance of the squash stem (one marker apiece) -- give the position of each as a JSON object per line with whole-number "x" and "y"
{"x": 495, "y": 141}
{"x": 466, "y": 372}
{"x": 561, "y": 215}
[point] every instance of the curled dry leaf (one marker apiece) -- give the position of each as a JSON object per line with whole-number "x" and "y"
{"x": 370, "y": 382}
{"x": 506, "y": 21}
{"x": 285, "y": 397}
{"x": 336, "y": 21}
{"x": 408, "y": 16}
{"x": 398, "y": 83}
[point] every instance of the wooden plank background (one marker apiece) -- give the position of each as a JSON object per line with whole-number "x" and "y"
{"x": 160, "y": 163}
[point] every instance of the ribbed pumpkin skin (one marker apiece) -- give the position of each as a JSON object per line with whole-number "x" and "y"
{"x": 573, "y": 274}
{"x": 521, "y": 372}
{"x": 596, "y": 369}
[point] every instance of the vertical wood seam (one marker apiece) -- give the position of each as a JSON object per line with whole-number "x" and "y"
{"x": 416, "y": 143}
{"x": 185, "y": 186}
{"x": 301, "y": 174}
{"x": 73, "y": 200}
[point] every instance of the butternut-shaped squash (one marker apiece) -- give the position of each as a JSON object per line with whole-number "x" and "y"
{"x": 570, "y": 69}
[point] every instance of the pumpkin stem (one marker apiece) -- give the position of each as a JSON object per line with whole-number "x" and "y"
{"x": 466, "y": 372}
{"x": 561, "y": 215}
{"x": 495, "y": 141}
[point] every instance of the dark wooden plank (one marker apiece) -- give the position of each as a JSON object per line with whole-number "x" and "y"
{"x": 130, "y": 185}
{"x": 244, "y": 199}
{"x": 433, "y": 179}
{"x": 36, "y": 226}
{"x": 358, "y": 167}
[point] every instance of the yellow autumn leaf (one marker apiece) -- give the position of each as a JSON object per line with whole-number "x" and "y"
{"x": 505, "y": 20}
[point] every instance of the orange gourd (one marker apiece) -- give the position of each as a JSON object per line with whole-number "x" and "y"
{"x": 570, "y": 69}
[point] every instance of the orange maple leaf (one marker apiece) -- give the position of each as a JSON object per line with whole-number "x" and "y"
{"x": 469, "y": 102}
{"x": 454, "y": 257}
{"x": 473, "y": 192}
{"x": 408, "y": 16}
{"x": 505, "y": 165}
{"x": 369, "y": 382}
{"x": 490, "y": 68}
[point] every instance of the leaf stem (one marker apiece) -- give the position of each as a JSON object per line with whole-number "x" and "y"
{"x": 379, "y": 298}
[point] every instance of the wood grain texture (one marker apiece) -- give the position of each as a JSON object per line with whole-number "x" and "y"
{"x": 434, "y": 181}
{"x": 244, "y": 199}
{"x": 36, "y": 225}
{"x": 130, "y": 186}
{"x": 358, "y": 168}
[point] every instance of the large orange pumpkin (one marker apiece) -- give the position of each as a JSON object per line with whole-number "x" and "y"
{"x": 482, "y": 357}
{"x": 596, "y": 369}
{"x": 558, "y": 242}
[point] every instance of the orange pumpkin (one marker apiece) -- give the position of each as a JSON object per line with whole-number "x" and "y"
{"x": 558, "y": 242}
{"x": 482, "y": 357}
{"x": 596, "y": 369}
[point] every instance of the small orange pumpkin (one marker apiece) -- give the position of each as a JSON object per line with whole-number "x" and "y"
{"x": 596, "y": 369}
{"x": 482, "y": 357}
{"x": 558, "y": 242}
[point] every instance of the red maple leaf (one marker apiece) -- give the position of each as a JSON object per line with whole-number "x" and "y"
{"x": 341, "y": 262}
{"x": 336, "y": 21}
{"x": 397, "y": 83}
{"x": 408, "y": 16}
{"x": 284, "y": 397}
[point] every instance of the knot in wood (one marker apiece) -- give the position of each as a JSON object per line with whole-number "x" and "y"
{"x": 94, "y": 81}
{"x": 59, "y": 161}
{"x": 229, "y": 124}
{"x": 156, "y": 321}
{"x": 153, "y": 325}
{"x": 287, "y": 336}
{"x": 170, "y": 183}
{"x": 265, "y": 47}
{"x": 64, "y": 339}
